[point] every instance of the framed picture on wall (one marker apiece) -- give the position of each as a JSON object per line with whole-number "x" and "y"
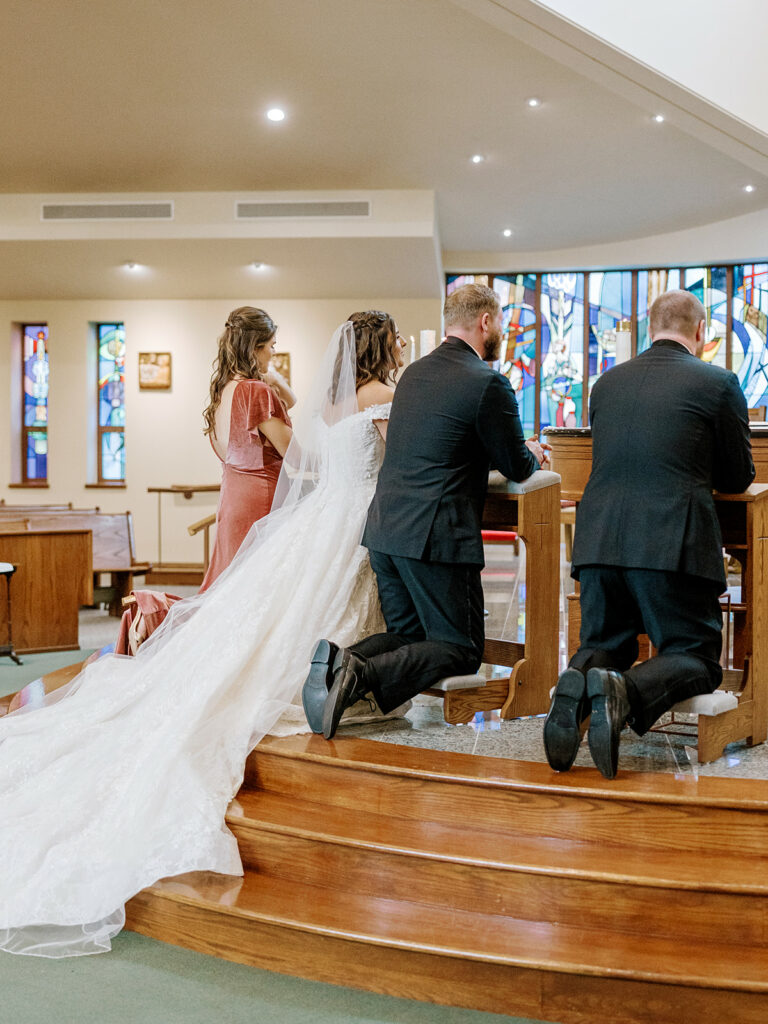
{"x": 154, "y": 371}
{"x": 281, "y": 362}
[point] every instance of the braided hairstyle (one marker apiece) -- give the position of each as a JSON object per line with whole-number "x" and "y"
{"x": 246, "y": 331}
{"x": 375, "y": 340}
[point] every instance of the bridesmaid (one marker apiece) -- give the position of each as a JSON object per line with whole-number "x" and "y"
{"x": 248, "y": 427}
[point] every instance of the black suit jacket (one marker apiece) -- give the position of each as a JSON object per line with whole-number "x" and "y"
{"x": 667, "y": 428}
{"x": 452, "y": 419}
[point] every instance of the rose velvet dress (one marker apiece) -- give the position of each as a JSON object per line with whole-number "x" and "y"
{"x": 250, "y": 471}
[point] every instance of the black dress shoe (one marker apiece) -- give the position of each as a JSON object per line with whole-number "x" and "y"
{"x": 348, "y": 687}
{"x": 607, "y": 691}
{"x": 319, "y": 681}
{"x": 562, "y": 728}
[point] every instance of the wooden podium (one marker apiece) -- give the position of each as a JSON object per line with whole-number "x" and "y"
{"x": 744, "y": 525}
{"x": 532, "y": 509}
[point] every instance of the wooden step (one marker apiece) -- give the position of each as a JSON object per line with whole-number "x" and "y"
{"x": 532, "y": 878}
{"x": 502, "y": 964}
{"x": 517, "y": 798}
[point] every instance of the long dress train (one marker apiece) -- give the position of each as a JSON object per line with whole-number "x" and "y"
{"x": 124, "y": 776}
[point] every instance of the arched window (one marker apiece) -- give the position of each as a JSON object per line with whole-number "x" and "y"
{"x": 110, "y": 442}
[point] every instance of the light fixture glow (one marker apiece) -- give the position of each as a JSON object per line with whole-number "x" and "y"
{"x": 659, "y": 118}
{"x": 749, "y": 188}
{"x": 507, "y": 232}
{"x": 258, "y": 265}
{"x": 478, "y": 158}
{"x": 276, "y": 114}
{"x": 132, "y": 266}
{"x": 533, "y": 101}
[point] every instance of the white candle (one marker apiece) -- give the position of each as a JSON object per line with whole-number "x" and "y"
{"x": 413, "y": 356}
{"x": 427, "y": 342}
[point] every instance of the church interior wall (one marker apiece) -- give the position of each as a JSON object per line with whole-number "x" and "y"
{"x": 163, "y": 432}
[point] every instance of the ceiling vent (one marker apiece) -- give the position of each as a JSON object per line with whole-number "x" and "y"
{"x": 334, "y": 208}
{"x": 107, "y": 211}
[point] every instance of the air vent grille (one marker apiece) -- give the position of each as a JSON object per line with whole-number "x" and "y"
{"x": 333, "y": 208}
{"x": 107, "y": 211}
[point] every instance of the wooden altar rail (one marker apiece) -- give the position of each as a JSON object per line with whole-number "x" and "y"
{"x": 535, "y": 516}
{"x": 744, "y": 524}
{"x": 53, "y": 578}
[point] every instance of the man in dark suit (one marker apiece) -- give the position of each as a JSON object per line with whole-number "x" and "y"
{"x": 452, "y": 419}
{"x": 667, "y": 429}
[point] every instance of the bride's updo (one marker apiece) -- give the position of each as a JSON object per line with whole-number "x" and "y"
{"x": 375, "y": 340}
{"x": 246, "y": 331}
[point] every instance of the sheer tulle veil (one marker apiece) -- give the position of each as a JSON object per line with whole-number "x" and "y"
{"x": 124, "y": 775}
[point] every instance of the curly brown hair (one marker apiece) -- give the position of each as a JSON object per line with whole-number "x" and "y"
{"x": 247, "y": 330}
{"x": 375, "y": 340}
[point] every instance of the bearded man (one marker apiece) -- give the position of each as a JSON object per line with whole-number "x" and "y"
{"x": 453, "y": 419}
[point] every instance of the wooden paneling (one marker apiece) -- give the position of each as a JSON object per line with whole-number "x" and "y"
{"x": 52, "y": 580}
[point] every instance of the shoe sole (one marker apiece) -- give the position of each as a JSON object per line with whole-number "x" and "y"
{"x": 603, "y": 745}
{"x": 314, "y": 693}
{"x": 562, "y": 740}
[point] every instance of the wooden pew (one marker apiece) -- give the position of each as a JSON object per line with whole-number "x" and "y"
{"x": 53, "y": 578}
{"x": 113, "y": 544}
{"x": 532, "y": 510}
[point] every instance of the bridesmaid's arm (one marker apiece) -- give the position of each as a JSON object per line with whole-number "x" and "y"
{"x": 281, "y": 386}
{"x": 277, "y": 432}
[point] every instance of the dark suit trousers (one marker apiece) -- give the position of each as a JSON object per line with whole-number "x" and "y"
{"x": 435, "y": 628}
{"x": 681, "y": 614}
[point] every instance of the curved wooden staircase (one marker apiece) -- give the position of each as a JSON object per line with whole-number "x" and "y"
{"x": 491, "y": 884}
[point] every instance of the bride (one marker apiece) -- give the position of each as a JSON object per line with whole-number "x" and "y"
{"x": 124, "y": 776}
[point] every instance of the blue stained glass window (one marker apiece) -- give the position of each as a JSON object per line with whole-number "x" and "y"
{"x": 111, "y": 384}
{"x": 709, "y": 285}
{"x": 650, "y": 285}
{"x": 517, "y": 294}
{"x": 562, "y": 349}
{"x": 35, "y": 396}
{"x": 610, "y": 300}
{"x": 748, "y": 343}
{"x": 455, "y": 281}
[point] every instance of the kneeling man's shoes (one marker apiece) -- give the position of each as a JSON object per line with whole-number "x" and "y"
{"x": 348, "y": 687}
{"x": 562, "y": 729}
{"x": 607, "y": 691}
{"x": 318, "y": 682}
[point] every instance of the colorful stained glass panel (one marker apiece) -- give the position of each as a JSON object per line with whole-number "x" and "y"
{"x": 562, "y": 348}
{"x": 709, "y": 285}
{"x": 517, "y": 294}
{"x": 650, "y": 285}
{"x": 748, "y": 341}
{"x": 113, "y": 455}
{"x": 610, "y": 300}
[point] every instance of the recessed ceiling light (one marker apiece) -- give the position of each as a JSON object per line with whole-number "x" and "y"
{"x": 478, "y": 158}
{"x": 533, "y": 101}
{"x": 749, "y": 188}
{"x": 258, "y": 265}
{"x": 507, "y": 232}
{"x": 276, "y": 114}
{"x": 132, "y": 265}
{"x": 659, "y": 118}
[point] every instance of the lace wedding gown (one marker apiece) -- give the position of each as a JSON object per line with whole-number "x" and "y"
{"x": 124, "y": 777}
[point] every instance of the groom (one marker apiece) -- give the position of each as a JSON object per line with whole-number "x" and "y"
{"x": 453, "y": 418}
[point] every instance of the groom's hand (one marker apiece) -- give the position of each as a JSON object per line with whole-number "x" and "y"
{"x": 540, "y": 450}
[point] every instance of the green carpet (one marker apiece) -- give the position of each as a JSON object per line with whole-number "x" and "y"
{"x": 147, "y": 982}
{"x": 13, "y": 677}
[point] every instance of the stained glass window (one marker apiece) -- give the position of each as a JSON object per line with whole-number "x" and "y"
{"x": 562, "y": 349}
{"x": 517, "y": 294}
{"x": 110, "y": 339}
{"x": 610, "y": 300}
{"x": 650, "y": 285}
{"x": 748, "y": 341}
{"x": 709, "y": 285}
{"x": 34, "y": 440}
{"x": 455, "y": 281}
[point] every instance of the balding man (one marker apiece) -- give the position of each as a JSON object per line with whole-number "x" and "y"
{"x": 667, "y": 429}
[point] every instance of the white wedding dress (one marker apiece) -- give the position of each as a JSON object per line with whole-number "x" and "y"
{"x": 124, "y": 776}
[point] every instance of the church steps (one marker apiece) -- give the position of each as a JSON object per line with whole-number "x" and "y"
{"x": 470, "y": 869}
{"x": 518, "y": 799}
{"x": 385, "y": 944}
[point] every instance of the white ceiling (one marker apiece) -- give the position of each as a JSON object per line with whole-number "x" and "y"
{"x": 380, "y": 94}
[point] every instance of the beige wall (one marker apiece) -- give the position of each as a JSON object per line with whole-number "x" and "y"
{"x": 164, "y": 437}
